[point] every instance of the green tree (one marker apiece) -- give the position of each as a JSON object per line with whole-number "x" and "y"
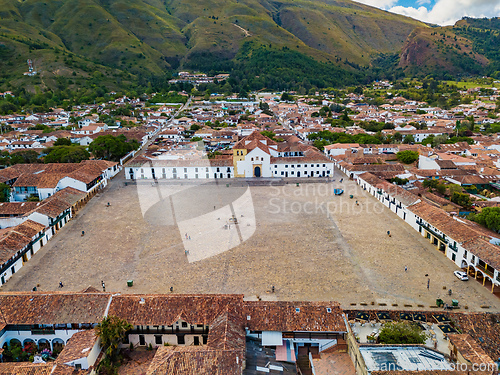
{"x": 66, "y": 154}
{"x": 454, "y": 188}
{"x": 268, "y": 134}
{"x": 111, "y": 330}
{"x": 428, "y": 140}
{"x": 441, "y": 188}
{"x": 345, "y": 116}
{"x": 430, "y": 184}
{"x": 409, "y": 139}
{"x": 489, "y": 217}
{"x": 462, "y": 199}
{"x": 4, "y": 193}
{"x": 398, "y": 136}
{"x": 32, "y": 198}
{"x": 439, "y": 139}
{"x": 195, "y": 127}
{"x": 24, "y": 157}
{"x": 399, "y": 181}
{"x": 62, "y": 142}
{"x": 113, "y": 148}
{"x": 402, "y": 333}
{"x": 407, "y": 156}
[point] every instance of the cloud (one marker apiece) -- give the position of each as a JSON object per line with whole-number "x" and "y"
{"x": 422, "y": 2}
{"x": 447, "y": 12}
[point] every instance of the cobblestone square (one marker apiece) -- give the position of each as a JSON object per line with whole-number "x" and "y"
{"x": 228, "y": 237}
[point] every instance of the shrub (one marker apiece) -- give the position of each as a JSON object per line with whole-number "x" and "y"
{"x": 407, "y": 156}
{"x": 402, "y": 333}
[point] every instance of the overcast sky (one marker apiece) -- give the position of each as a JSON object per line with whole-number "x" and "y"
{"x": 441, "y": 12}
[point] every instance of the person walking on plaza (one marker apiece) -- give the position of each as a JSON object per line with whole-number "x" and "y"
{"x": 61, "y": 284}
{"x": 103, "y": 286}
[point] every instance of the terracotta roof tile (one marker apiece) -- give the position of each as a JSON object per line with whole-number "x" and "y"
{"x": 152, "y": 309}
{"x": 283, "y": 316}
{"x": 227, "y": 330}
{"x": 444, "y": 222}
{"x": 53, "y": 308}
{"x": 17, "y": 208}
{"x": 470, "y": 349}
{"x": 195, "y": 360}
{"x": 17, "y": 238}
{"x": 78, "y": 346}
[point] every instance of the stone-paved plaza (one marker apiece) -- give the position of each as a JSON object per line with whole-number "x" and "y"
{"x": 231, "y": 237}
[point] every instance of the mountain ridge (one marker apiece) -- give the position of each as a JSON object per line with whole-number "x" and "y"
{"x": 126, "y": 38}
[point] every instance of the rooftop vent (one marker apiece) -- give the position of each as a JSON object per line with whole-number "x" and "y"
{"x": 248, "y": 317}
{"x": 297, "y": 309}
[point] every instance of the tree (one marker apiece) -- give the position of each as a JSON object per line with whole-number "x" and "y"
{"x": 398, "y": 136}
{"x": 195, "y": 127}
{"x": 24, "y": 157}
{"x": 66, "y": 154}
{"x": 345, "y": 116}
{"x": 402, "y": 333}
{"x": 399, "y": 181}
{"x": 489, "y": 217}
{"x": 268, "y": 134}
{"x": 428, "y": 140}
{"x": 286, "y": 97}
{"x": 111, "y": 330}
{"x": 462, "y": 199}
{"x": 409, "y": 139}
{"x": 62, "y": 142}
{"x": 431, "y": 184}
{"x": 439, "y": 139}
{"x": 196, "y": 139}
{"x": 4, "y": 193}
{"x": 441, "y": 188}
{"x": 407, "y": 156}
{"x": 113, "y": 148}
{"x": 454, "y": 188}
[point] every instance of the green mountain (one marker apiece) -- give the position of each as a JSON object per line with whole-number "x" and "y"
{"x": 120, "y": 40}
{"x": 470, "y": 47}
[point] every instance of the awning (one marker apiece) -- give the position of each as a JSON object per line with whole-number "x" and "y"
{"x": 272, "y": 338}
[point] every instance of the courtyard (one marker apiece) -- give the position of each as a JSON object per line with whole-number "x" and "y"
{"x": 228, "y": 236}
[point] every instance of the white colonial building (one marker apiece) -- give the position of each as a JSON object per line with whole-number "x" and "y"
{"x": 253, "y": 156}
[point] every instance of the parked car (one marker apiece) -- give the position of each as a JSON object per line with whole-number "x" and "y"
{"x": 461, "y": 275}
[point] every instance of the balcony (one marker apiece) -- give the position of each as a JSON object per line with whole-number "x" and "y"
{"x": 440, "y": 237}
{"x": 43, "y": 331}
{"x": 489, "y": 271}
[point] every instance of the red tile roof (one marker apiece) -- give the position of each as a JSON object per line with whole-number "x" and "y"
{"x": 53, "y": 308}
{"x": 283, "y": 316}
{"x": 196, "y": 360}
{"x": 470, "y": 349}
{"x": 163, "y": 309}
{"x": 78, "y": 346}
